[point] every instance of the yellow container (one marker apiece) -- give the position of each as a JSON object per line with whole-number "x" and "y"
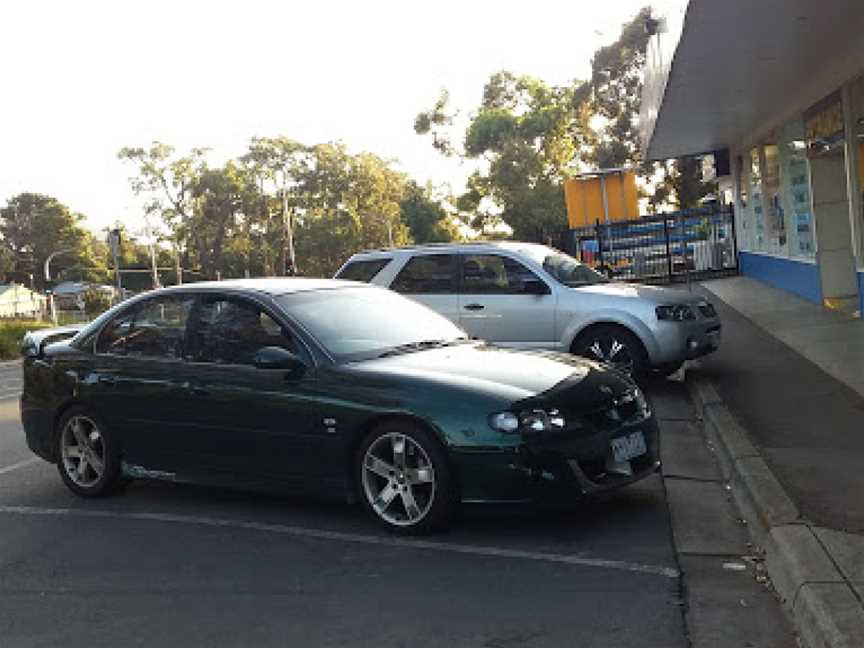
{"x": 606, "y": 196}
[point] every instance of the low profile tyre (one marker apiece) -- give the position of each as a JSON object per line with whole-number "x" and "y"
{"x": 403, "y": 478}
{"x": 614, "y": 346}
{"x": 88, "y": 458}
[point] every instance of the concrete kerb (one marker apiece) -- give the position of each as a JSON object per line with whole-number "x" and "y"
{"x": 820, "y": 601}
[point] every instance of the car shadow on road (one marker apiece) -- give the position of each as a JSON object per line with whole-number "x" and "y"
{"x": 604, "y": 524}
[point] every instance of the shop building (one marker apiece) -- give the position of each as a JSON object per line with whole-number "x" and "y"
{"x": 777, "y": 89}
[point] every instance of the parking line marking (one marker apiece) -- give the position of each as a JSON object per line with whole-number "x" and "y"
{"x": 20, "y": 464}
{"x": 320, "y": 534}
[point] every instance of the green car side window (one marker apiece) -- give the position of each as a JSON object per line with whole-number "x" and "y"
{"x": 230, "y": 331}
{"x": 155, "y": 328}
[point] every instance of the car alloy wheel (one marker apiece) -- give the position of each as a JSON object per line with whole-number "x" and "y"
{"x": 82, "y": 451}
{"x": 88, "y": 460}
{"x": 398, "y": 479}
{"x": 611, "y": 351}
{"x": 615, "y": 347}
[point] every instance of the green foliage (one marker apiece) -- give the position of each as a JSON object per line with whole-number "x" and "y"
{"x": 426, "y": 219}
{"x": 34, "y": 226}
{"x": 616, "y": 89}
{"x": 435, "y": 122}
{"x": 528, "y": 136}
{"x": 281, "y": 208}
{"x": 616, "y": 85}
{"x": 96, "y": 302}
{"x": 522, "y": 131}
{"x": 490, "y": 131}
{"x": 12, "y": 332}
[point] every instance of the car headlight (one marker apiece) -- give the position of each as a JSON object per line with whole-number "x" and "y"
{"x": 676, "y": 312}
{"x": 504, "y": 422}
{"x": 536, "y": 420}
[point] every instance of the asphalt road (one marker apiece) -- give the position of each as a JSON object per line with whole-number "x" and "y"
{"x": 164, "y": 564}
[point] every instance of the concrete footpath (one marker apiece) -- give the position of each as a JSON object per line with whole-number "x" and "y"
{"x": 783, "y": 404}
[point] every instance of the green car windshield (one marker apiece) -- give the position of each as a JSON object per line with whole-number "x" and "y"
{"x": 361, "y": 323}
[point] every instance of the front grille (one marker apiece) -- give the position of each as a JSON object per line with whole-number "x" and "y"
{"x": 707, "y": 310}
{"x": 613, "y": 417}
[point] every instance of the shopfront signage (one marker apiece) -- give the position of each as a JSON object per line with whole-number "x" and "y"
{"x": 823, "y": 125}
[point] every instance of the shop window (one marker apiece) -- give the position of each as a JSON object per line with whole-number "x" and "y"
{"x": 757, "y": 206}
{"x": 775, "y": 225}
{"x": 744, "y": 222}
{"x": 795, "y": 190}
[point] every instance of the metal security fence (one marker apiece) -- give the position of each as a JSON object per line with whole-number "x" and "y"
{"x": 664, "y": 248}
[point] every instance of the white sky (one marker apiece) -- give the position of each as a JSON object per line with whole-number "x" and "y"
{"x": 82, "y": 79}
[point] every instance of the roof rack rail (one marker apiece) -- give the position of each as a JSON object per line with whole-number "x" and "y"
{"x": 424, "y": 246}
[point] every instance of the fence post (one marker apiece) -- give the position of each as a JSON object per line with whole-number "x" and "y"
{"x": 668, "y": 247}
{"x": 734, "y": 229}
{"x": 598, "y": 230}
{"x": 684, "y": 249}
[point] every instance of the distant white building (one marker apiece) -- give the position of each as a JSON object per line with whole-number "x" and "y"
{"x": 19, "y": 301}
{"x": 69, "y": 295}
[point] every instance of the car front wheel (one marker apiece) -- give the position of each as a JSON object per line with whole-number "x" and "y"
{"x": 614, "y": 346}
{"x": 88, "y": 459}
{"x": 404, "y": 479}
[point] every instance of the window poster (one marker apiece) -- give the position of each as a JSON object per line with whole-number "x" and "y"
{"x": 795, "y": 190}
{"x": 756, "y": 199}
{"x": 774, "y": 217}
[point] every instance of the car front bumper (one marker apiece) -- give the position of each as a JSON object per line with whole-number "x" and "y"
{"x": 37, "y": 424}
{"x": 554, "y": 469}
{"x": 679, "y": 341}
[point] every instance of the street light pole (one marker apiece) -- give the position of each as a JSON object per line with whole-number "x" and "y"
{"x": 51, "y": 258}
{"x": 48, "y": 278}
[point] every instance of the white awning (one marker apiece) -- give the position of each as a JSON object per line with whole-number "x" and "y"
{"x": 742, "y": 67}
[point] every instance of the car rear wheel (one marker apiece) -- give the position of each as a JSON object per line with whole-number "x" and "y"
{"x": 614, "y": 346}
{"x": 403, "y": 478}
{"x": 88, "y": 459}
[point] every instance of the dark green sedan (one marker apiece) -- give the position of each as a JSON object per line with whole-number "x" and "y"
{"x": 326, "y": 387}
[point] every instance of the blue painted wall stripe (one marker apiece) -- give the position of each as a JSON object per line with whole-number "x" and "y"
{"x": 861, "y": 292}
{"x": 798, "y": 277}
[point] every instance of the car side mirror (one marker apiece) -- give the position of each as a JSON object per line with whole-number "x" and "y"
{"x": 277, "y": 358}
{"x": 535, "y": 287}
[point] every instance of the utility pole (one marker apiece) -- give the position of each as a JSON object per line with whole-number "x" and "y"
{"x": 288, "y": 238}
{"x": 177, "y": 267}
{"x": 155, "y": 271}
{"x": 114, "y": 243}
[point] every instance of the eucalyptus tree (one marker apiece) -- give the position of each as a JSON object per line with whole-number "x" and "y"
{"x": 165, "y": 180}
{"x": 34, "y": 226}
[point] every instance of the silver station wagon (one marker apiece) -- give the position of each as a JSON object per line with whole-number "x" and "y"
{"x": 531, "y": 296}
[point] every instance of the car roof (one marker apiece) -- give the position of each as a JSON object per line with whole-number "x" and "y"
{"x": 268, "y": 285}
{"x": 514, "y": 246}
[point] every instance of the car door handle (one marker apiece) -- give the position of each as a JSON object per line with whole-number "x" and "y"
{"x": 195, "y": 390}
{"x": 474, "y": 307}
{"x": 107, "y": 380}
